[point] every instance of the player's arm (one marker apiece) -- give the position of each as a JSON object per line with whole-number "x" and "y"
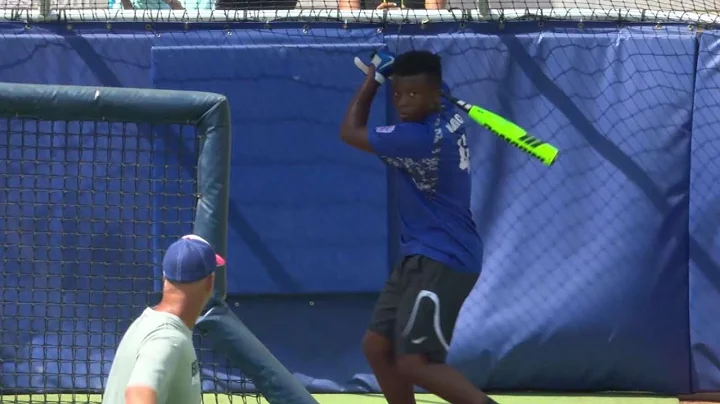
{"x": 354, "y": 130}
{"x": 140, "y": 395}
{"x": 354, "y": 126}
{"x": 405, "y": 140}
{"x": 154, "y": 368}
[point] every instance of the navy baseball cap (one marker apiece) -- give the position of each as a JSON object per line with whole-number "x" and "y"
{"x": 190, "y": 259}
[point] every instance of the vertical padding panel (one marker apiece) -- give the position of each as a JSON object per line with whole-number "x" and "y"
{"x": 705, "y": 219}
{"x": 308, "y": 213}
{"x": 585, "y": 272}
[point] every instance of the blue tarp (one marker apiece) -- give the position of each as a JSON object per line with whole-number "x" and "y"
{"x": 287, "y": 166}
{"x": 705, "y": 219}
{"x": 592, "y": 280}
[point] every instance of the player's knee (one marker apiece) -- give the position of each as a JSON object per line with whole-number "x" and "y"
{"x": 376, "y": 347}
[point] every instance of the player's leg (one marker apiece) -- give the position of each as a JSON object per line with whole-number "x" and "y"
{"x": 380, "y": 354}
{"x": 379, "y": 347}
{"x": 426, "y": 319}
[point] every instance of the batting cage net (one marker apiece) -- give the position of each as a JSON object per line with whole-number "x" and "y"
{"x": 374, "y": 11}
{"x": 599, "y": 273}
{"x": 88, "y": 206}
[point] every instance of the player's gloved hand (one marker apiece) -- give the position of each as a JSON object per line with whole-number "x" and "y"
{"x": 383, "y": 62}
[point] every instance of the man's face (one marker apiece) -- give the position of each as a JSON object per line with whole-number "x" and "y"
{"x": 415, "y": 97}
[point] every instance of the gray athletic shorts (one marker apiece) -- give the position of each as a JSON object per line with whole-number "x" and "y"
{"x": 419, "y": 305}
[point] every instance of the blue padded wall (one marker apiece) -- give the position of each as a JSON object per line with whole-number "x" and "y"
{"x": 705, "y": 219}
{"x": 309, "y": 213}
{"x": 591, "y": 279}
{"x": 585, "y": 262}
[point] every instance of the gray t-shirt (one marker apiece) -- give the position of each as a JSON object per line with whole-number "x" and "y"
{"x": 157, "y": 352}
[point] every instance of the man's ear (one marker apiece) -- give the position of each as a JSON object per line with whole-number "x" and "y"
{"x": 210, "y": 282}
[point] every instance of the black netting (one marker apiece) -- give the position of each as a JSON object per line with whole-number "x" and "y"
{"x": 87, "y": 209}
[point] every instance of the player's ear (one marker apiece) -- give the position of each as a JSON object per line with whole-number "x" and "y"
{"x": 210, "y": 282}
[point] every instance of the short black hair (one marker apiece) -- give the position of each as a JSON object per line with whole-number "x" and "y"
{"x": 419, "y": 62}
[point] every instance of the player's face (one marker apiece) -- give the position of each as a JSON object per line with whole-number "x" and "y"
{"x": 415, "y": 97}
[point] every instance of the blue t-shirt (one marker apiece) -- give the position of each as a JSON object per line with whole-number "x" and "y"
{"x": 431, "y": 162}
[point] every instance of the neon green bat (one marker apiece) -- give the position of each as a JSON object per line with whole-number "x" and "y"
{"x": 509, "y": 131}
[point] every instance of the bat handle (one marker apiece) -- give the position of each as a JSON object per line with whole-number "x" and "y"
{"x": 362, "y": 66}
{"x": 460, "y": 103}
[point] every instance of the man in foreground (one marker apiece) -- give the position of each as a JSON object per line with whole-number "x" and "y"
{"x": 415, "y": 315}
{"x": 156, "y": 362}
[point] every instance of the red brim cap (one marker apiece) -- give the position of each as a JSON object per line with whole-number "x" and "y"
{"x": 219, "y": 261}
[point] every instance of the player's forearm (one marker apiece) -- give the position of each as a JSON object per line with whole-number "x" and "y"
{"x": 359, "y": 111}
{"x": 140, "y": 395}
{"x": 354, "y": 127}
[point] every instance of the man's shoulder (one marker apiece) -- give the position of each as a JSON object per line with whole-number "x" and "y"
{"x": 170, "y": 335}
{"x": 151, "y": 327}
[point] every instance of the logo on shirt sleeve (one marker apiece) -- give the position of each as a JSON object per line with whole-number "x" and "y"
{"x": 385, "y": 129}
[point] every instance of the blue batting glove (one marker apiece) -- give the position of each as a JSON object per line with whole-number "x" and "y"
{"x": 382, "y": 60}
